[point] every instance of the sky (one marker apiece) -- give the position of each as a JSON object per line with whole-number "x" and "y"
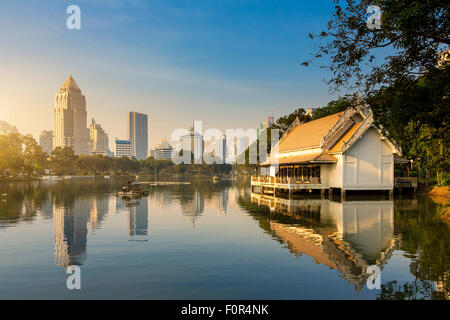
{"x": 230, "y": 64}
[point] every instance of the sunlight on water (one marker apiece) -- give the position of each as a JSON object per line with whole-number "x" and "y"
{"x": 216, "y": 241}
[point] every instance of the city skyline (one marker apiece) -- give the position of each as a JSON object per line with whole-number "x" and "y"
{"x": 184, "y": 76}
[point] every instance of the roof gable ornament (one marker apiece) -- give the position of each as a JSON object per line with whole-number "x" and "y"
{"x": 322, "y": 141}
{"x": 359, "y": 105}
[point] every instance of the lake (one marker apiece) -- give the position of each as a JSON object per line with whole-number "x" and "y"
{"x": 217, "y": 241}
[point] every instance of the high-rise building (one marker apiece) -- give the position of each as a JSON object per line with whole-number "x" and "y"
{"x": 163, "y": 150}
{"x": 71, "y": 118}
{"x": 220, "y": 151}
{"x": 6, "y": 129}
{"x": 193, "y": 142}
{"x": 123, "y": 148}
{"x": 99, "y": 139}
{"x": 46, "y": 141}
{"x": 137, "y": 130}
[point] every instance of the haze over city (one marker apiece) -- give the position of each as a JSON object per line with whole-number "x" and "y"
{"x": 224, "y": 63}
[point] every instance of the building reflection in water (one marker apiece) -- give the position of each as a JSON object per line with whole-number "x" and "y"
{"x": 193, "y": 207}
{"x": 71, "y": 232}
{"x": 137, "y": 217}
{"x": 222, "y": 201}
{"x": 100, "y": 208}
{"x": 347, "y": 236}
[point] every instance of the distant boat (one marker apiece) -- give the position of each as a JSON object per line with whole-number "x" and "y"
{"x": 51, "y": 178}
{"x": 132, "y": 189}
{"x": 107, "y": 177}
{"x": 216, "y": 178}
{"x": 4, "y": 195}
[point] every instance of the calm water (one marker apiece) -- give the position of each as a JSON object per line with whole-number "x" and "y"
{"x": 216, "y": 241}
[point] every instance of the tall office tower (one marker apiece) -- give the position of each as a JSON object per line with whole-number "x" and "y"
{"x": 221, "y": 149}
{"x": 46, "y": 141}
{"x": 70, "y": 118}
{"x": 137, "y": 130}
{"x": 193, "y": 142}
{"x": 99, "y": 139}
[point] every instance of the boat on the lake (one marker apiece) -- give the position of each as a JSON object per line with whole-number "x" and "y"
{"x": 132, "y": 189}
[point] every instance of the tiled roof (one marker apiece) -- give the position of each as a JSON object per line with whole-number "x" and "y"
{"x": 305, "y": 158}
{"x": 338, "y": 146}
{"x": 308, "y": 134}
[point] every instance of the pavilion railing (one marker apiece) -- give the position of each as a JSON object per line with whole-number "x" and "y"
{"x": 286, "y": 180}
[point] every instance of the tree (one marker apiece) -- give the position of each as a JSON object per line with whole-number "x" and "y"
{"x": 63, "y": 161}
{"x": 11, "y": 159}
{"x": 413, "y": 31}
{"x": 283, "y": 123}
{"x": 334, "y": 106}
{"x": 416, "y": 113}
{"x": 408, "y": 91}
{"x": 34, "y": 158}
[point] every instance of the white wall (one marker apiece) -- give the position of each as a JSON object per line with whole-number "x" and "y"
{"x": 336, "y": 173}
{"x": 369, "y": 164}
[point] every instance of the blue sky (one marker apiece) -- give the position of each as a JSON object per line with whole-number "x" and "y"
{"x": 227, "y": 63}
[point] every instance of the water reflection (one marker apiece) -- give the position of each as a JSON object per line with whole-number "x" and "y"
{"x": 78, "y": 206}
{"x": 71, "y": 232}
{"x": 137, "y": 216}
{"x": 192, "y": 206}
{"x": 345, "y": 237}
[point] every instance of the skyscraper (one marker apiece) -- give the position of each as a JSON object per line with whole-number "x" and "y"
{"x": 221, "y": 150}
{"x": 46, "y": 141}
{"x": 193, "y": 142}
{"x": 71, "y": 118}
{"x": 99, "y": 139}
{"x": 137, "y": 130}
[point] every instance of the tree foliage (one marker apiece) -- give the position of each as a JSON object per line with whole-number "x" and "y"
{"x": 412, "y": 34}
{"x": 401, "y": 68}
{"x": 20, "y": 154}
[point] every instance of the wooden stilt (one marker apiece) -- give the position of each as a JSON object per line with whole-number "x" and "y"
{"x": 391, "y": 194}
{"x": 342, "y": 194}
